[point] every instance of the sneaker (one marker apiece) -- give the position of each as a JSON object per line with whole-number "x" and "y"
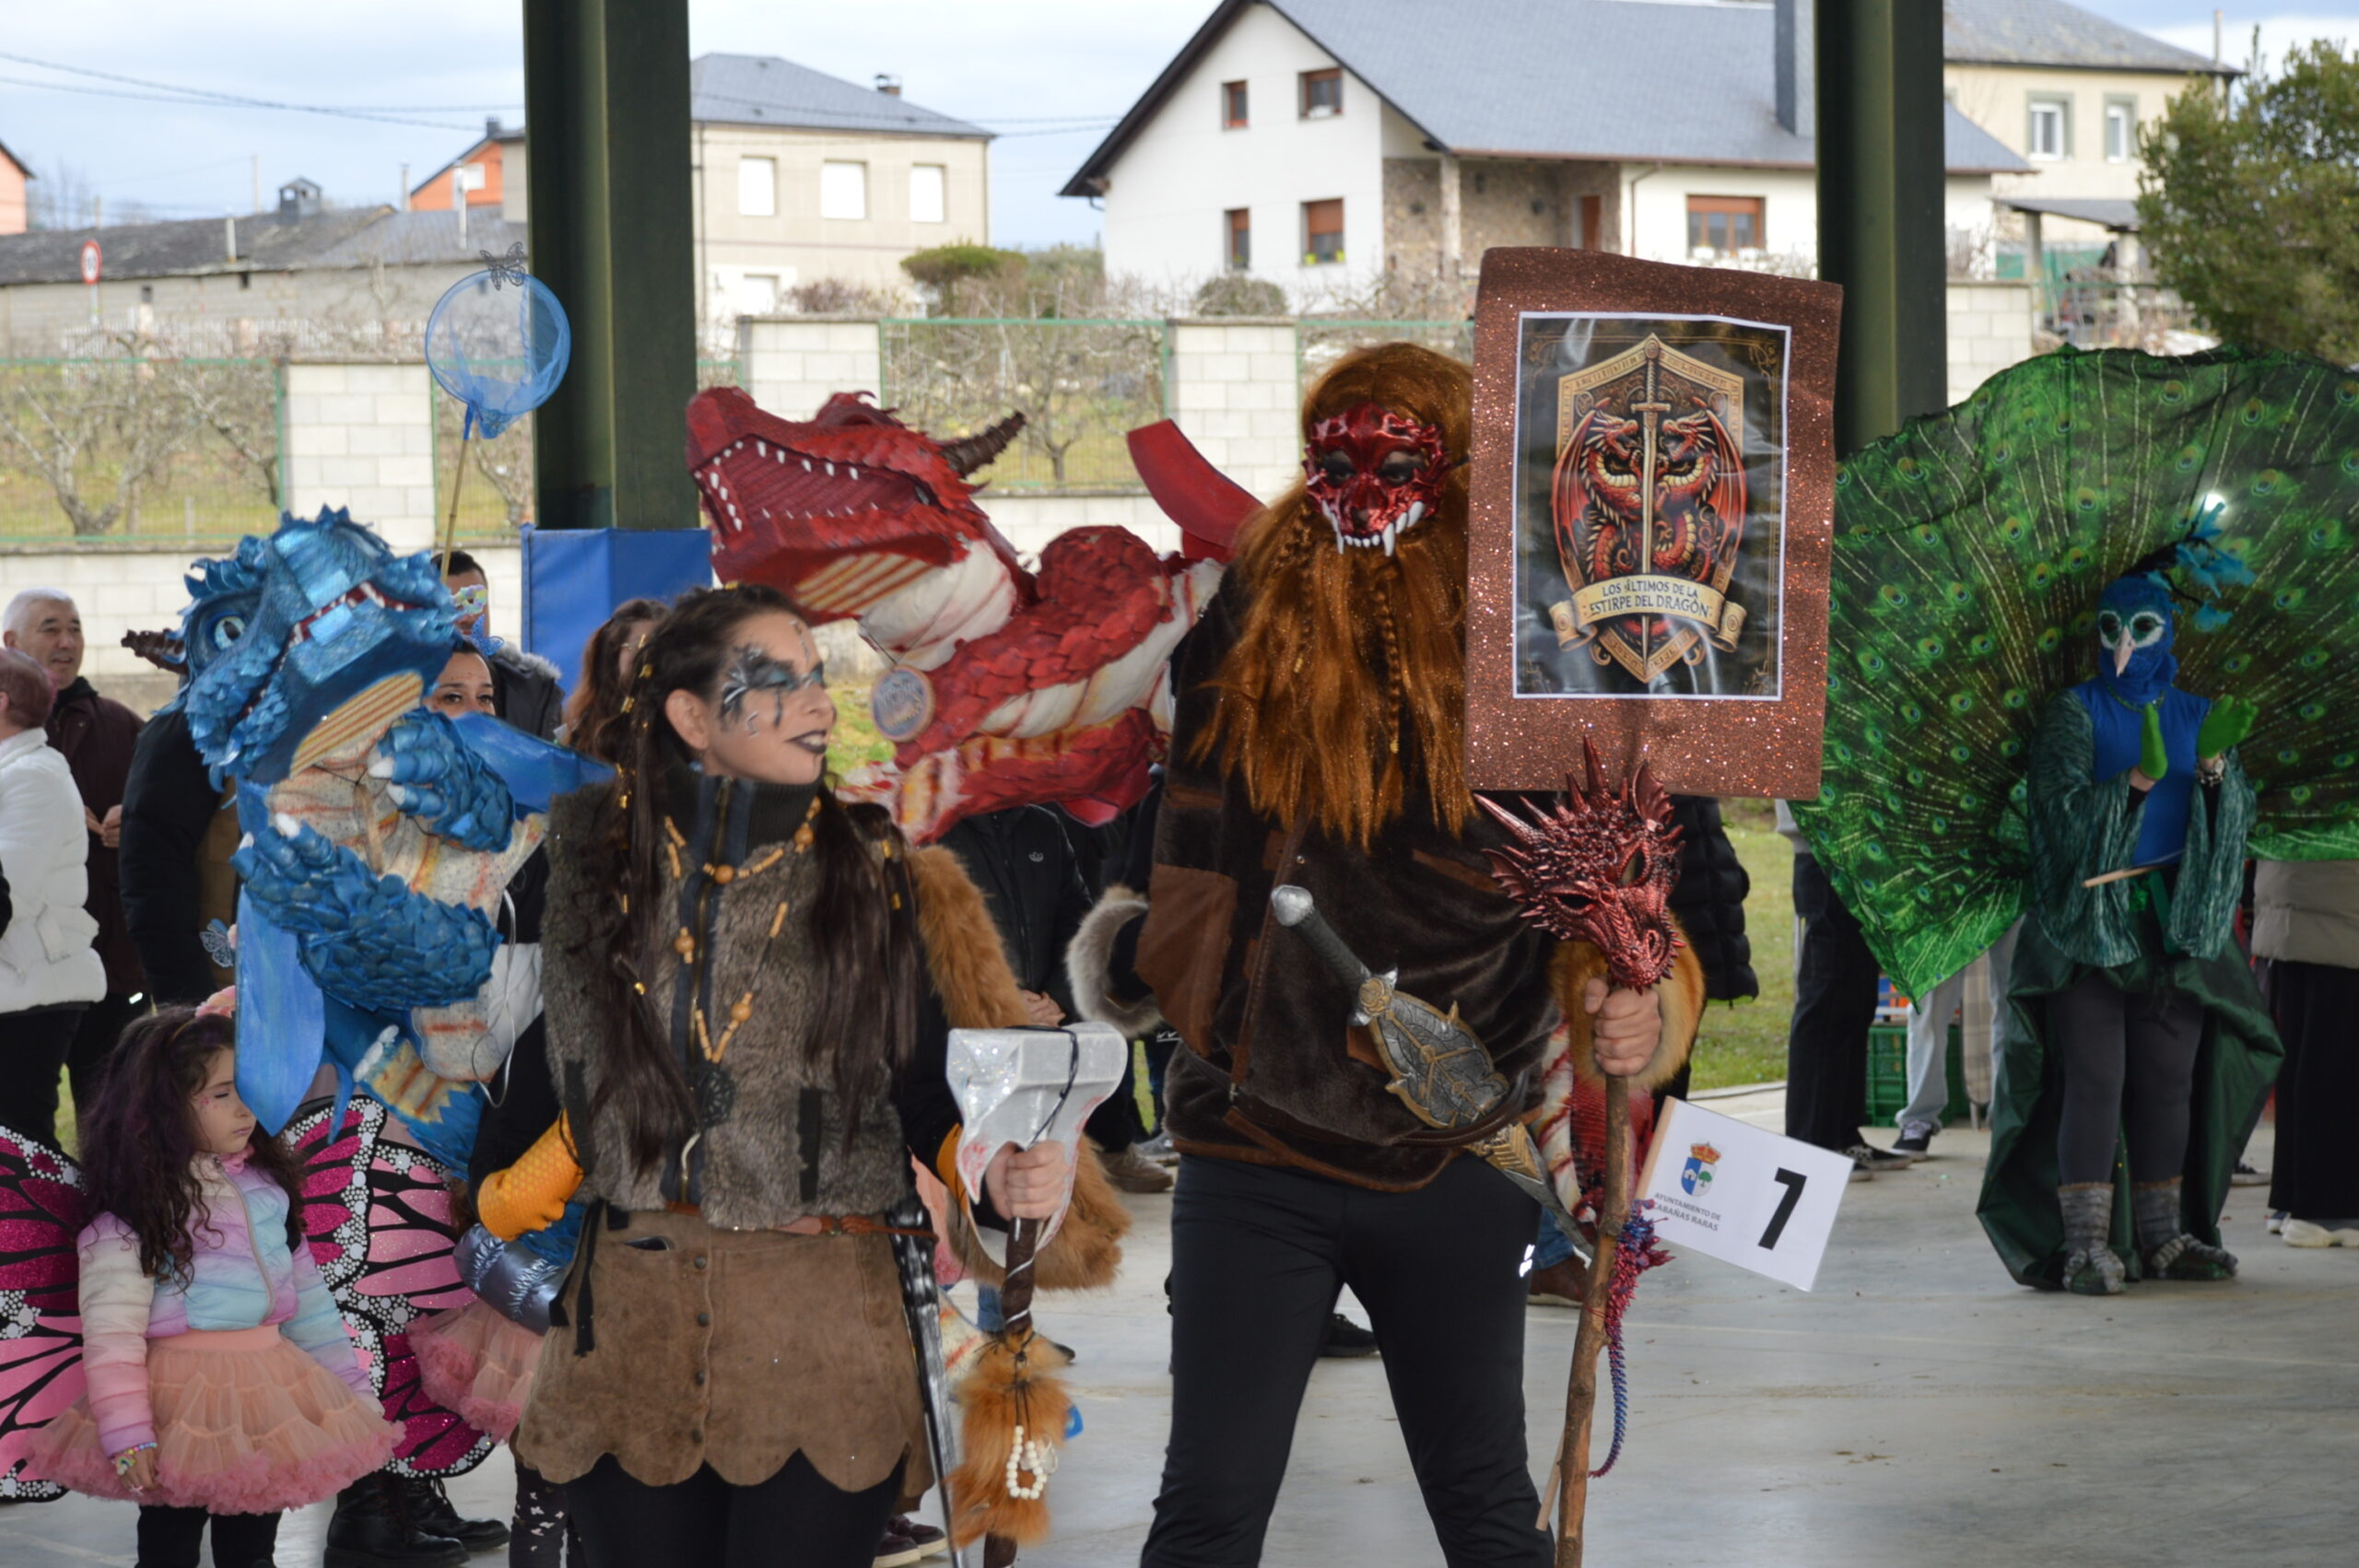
{"x": 1346, "y": 1338}
{"x": 1914, "y": 1137}
{"x": 2276, "y": 1221}
{"x": 1159, "y": 1148}
{"x": 1133, "y": 1172}
{"x": 1877, "y": 1159}
{"x": 1563, "y": 1283}
{"x": 2244, "y": 1175}
{"x": 906, "y": 1542}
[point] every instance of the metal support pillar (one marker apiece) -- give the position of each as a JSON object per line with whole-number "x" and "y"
{"x": 607, "y": 105}
{"x": 1881, "y": 173}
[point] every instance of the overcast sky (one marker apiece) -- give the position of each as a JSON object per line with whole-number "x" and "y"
{"x": 1050, "y": 76}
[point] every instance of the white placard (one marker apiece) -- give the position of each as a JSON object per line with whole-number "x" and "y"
{"x": 1734, "y": 1191}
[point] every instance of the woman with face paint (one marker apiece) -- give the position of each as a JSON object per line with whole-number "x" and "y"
{"x": 2135, "y": 1022}
{"x": 748, "y": 988}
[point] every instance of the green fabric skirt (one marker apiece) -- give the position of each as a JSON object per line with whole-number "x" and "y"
{"x": 2234, "y": 1066}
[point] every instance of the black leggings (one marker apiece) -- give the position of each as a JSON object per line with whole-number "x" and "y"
{"x": 168, "y": 1537}
{"x": 1257, "y": 1257}
{"x": 792, "y": 1520}
{"x": 2128, "y": 1064}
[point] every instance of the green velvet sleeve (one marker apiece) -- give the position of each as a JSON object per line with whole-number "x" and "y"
{"x": 2080, "y": 829}
{"x": 2212, "y": 874}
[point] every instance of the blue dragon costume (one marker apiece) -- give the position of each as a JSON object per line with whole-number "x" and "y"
{"x": 380, "y": 834}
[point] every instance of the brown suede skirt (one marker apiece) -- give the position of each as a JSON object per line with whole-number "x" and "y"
{"x": 734, "y": 1349}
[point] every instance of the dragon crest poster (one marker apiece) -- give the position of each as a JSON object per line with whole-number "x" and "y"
{"x": 1653, "y": 495}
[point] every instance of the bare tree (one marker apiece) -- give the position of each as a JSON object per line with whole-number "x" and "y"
{"x": 60, "y": 197}
{"x": 238, "y": 402}
{"x": 97, "y": 433}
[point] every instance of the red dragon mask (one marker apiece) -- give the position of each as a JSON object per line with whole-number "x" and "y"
{"x": 1599, "y": 867}
{"x": 1374, "y": 474}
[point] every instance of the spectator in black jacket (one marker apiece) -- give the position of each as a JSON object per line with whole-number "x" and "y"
{"x": 179, "y": 832}
{"x": 524, "y": 686}
{"x": 1031, "y": 878}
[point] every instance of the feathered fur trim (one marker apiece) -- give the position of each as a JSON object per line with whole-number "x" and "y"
{"x": 1012, "y": 1388}
{"x": 1090, "y": 956}
{"x": 524, "y": 661}
{"x": 978, "y": 991}
{"x": 1681, "y": 997}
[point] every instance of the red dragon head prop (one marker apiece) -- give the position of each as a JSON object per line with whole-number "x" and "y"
{"x": 839, "y": 511}
{"x": 1599, "y": 867}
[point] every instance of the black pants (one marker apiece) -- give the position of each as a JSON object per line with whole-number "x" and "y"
{"x": 1834, "y": 1002}
{"x": 1257, "y": 1255}
{"x": 792, "y": 1520}
{"x": 2317, "y": 1008}
{"x": 168, "y": 1537}
{"x": 33, "y": 1046}
{"x": 2129, "y": 1065}
{"x": 94, "y": 1041}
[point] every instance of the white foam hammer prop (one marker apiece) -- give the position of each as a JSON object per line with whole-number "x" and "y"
{"x": 1027, "y": 1086}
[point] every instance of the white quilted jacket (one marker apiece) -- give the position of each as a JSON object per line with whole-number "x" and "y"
{"x": 46, "y": 956}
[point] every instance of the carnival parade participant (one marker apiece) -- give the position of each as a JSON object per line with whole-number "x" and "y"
{"x": 748, "y": 988}
{"x": 222, "y": 1387}
{"x": 594, "y": 714}
{"x": 1318, "y": 742}
{"x": 2126, "y": 978}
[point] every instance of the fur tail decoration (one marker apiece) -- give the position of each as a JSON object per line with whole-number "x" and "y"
{"x": 1012, "y": 1429}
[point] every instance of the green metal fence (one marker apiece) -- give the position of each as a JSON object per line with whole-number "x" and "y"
{"x": 1081, "y": 383}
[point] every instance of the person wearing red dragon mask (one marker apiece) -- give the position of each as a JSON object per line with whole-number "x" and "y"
{"x": 1318, "y": 741}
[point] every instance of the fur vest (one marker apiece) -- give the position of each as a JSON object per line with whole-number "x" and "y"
{"x": 775, "y": 1140}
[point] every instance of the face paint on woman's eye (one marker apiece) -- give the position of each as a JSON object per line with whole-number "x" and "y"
{"x": 752, "y": 672}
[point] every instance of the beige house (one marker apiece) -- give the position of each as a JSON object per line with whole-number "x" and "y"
{"x": 798, "y": 177}
{"x": 2067, "y": 91}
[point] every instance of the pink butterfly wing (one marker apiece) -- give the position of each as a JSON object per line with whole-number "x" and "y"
{"x": 41, "y": 1212}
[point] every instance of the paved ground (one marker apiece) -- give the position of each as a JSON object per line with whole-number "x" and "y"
{"x": 1916, "y": 1410}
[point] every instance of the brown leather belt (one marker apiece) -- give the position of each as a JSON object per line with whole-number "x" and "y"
{"x": 822, "y": 1225}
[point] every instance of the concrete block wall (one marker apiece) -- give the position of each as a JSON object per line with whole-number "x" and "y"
{"x": 119, "y": 590}
{"x": 1989, "y": 329}
{"x": 1235, "y": 393}
{"x": 790, "y": 365}
{"x": 362, "y": 435}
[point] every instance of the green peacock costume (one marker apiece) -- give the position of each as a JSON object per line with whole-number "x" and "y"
{"x": 1974, "y": 772}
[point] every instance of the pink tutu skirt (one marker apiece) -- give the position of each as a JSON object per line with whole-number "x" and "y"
{"x": 245, "y": 1423}
{"x": 476, "y": 1362}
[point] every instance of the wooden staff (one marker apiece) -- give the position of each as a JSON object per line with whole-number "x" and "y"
{"x": 450, "y": 523}
{"x": 1015, "y": 1327}
{"x": 1580, "y": 1396}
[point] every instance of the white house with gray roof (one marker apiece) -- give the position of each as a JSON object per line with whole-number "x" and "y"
{"x": 1317, "y": 143}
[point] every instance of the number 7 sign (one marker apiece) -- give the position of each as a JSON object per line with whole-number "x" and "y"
{"x": 1733, "y": 1191}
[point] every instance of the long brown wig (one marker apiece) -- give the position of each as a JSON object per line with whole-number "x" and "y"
{"x": 861, "y": 923}
{"x": 593, "y": 718}
{"x": 1344, "y": 693}
{"x": 139, "y": 1143}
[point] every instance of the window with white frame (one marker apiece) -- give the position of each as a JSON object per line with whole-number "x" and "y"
{"x": 2121, "y": 129}
{"x": 757, "y": 187}
{"x": 929, "y": 187}
{"x": 2048, "y": 135}
{"x": 759, "y": 293}
{"x": 843, "y": 190}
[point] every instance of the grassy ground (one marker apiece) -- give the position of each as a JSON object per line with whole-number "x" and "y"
{"x": 1744, "y": 1042}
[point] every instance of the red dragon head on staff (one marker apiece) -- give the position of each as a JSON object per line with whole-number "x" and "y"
{"x": 1599, "y": 867}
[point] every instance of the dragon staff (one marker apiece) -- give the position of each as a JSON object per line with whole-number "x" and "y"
{"x": 1581, "y": 1393}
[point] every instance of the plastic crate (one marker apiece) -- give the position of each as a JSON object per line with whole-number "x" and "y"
{"x": 1888, "y": 1074}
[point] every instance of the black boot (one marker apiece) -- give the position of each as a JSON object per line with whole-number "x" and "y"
{"x": 430, "y": 1504}
{"x": 373, "y": 1528}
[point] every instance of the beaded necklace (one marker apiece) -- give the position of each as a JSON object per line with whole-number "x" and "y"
{"x": 685, "y": 943}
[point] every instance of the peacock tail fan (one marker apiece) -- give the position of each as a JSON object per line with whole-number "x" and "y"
{"x": 1970, "y": 549}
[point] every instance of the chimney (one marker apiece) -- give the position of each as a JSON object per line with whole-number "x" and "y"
{"x": 889, "y": 85}
{"x": 230, "y": 239}
{"x": 491, "y": 127}
{"x": 1795, "y": 45}
{"x": 297, "y": 198}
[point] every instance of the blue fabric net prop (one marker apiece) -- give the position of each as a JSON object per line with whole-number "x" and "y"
{"x": 499, "y": 342}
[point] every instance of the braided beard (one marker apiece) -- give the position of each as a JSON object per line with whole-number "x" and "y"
{"x": 1344, "y": 696}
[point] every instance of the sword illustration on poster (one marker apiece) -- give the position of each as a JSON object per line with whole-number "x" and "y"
{"x": 1649, "y": 506}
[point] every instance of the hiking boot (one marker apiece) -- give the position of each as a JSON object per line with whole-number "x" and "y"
{"x": 1133, "y": 1172}
{"x": 1561, "y": 1283}
{"x": 373, "y": 1528}
{"x": 1345, "y": 1339}
{"x": 906, "y": 1542}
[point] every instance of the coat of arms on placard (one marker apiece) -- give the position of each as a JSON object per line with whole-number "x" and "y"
{"x": 1649, "y": 496}
{"x": 1695, "y": 1175}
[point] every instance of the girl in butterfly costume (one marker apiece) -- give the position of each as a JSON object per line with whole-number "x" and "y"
{"x": 221, "y": 1386}
{"x": 2133, "y": 1010}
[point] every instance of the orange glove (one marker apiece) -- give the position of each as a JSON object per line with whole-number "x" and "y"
{"x": 532, "y": 1193}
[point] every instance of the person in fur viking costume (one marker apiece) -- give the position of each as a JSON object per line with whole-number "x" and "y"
{"x": 1318, "y": 741}
{"x": 748, "y": 989}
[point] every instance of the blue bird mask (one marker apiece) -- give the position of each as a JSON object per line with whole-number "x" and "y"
{"x": 2134, "y": 634}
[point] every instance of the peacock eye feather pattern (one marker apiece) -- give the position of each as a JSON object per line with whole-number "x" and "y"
{"x": 1991, "y": 530}
{"x": 753, "y": 672}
